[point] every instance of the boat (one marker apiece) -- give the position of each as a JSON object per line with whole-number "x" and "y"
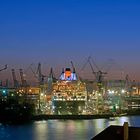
{"x": 112, "y": 118}
{"x": 69, "y": 94}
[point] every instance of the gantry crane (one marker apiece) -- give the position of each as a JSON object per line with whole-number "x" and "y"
{"x": 129, "y": 84}
{"x": 52, "y": 76}
{"x": 23, "y": 81}
{"x": 40, "y": 75}
{"x": 2, "y": 70}
{"x": 50, "y": 81}
{"x": 16, "y": 83}
{"x": 99, "y": 76}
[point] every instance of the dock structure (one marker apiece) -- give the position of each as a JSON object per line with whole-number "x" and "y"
{"x": 114, "y": 132}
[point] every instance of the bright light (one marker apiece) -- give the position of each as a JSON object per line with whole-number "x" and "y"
{"x": 123, "y": 91}
{"x": 111, "y": 91}
{"x": 12, "y": 94}
{"x": 4, "y": 91}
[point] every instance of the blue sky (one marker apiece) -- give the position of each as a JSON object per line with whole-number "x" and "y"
{"x": 54, "y": 32}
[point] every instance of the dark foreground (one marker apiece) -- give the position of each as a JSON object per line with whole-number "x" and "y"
{"x": 27, "y": 117}
{"x": 117, "y": 133}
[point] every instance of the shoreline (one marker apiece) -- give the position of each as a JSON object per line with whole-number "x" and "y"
{"x": 25, "y": 119}
{"x": 80, "y": 117}
{"x": 71, "y": 117}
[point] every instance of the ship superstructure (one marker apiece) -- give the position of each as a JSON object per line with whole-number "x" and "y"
{"x": 69, "y": 94}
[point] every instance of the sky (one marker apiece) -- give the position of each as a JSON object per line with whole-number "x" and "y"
{"x": 55, "y": 32}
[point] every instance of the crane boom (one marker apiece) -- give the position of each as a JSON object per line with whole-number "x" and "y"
{"x": 91, "y": 67}
{"x": 73, "y": 66}
{"x": 75, "y": 74}
{"x": 98, "y": 74}
{"x": 40, "y": 75}
{"x": 93, "y": 62}
{"x": 4, "y": 68}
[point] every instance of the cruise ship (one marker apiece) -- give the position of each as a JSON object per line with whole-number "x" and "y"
{"x": 69, "y": 94}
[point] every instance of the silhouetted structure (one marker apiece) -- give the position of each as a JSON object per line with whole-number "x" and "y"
{"x": 119, "y": 133}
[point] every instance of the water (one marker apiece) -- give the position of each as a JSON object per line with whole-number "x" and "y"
{"x": 62, "y": 129}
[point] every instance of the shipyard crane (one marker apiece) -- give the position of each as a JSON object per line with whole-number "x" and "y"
{"x": 4, "y": 68}
{"x": 16, "y": 83}
{"x": 23, "y": 81}
{"x": 129, "y": 84}
{"x": 40, "y": 75}
{"x": 51, "y": 75}
{"x": 51, "y": 79}
{"x": 74, "y": 72}
{"x": 99, "y": 74}
{"x": 35, "y": 74}
{"x": 127, "y": 81}
{"x": 73, "y": 67}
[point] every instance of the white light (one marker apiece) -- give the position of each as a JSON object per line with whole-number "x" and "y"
{"x": 123, "y": 91}
{"x": 111, "y": 91}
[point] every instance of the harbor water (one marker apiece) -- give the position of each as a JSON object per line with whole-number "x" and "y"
{"x": 62, "y": 129}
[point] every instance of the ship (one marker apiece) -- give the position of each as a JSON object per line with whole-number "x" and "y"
{"x": 69, "y": 94}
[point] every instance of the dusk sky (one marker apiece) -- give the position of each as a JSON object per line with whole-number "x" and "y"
{"x": 54, "y": 32}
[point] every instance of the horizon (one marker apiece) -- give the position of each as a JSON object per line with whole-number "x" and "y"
{"x": 83, "y": 73}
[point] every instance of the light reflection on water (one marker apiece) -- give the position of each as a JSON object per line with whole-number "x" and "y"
{"x": 62, "y": 129}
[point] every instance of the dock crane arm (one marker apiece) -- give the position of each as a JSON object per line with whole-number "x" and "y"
{"x": 93, "y": 62}
{"x": 99, "y": 74}
{"x": 88, "y": 61}
{"x": 4, "y": 68}
{"x": 34, "y": 73}
{"x": 41, "y": 77}
{"x": 77, "y": 75}
{"x": 91, "y": 67}
{"x": 73, "y": 66}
